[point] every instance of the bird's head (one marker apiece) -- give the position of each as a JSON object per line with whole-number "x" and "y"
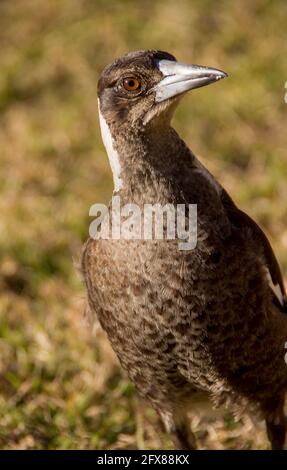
{"x": 145, "y": 86}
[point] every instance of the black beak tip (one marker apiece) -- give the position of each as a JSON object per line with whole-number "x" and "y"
{"x": 221, "y": 75}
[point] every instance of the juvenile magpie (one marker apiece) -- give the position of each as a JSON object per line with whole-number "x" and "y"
{"x": 208, "y": 321}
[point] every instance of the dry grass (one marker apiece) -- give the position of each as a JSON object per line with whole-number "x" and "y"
{"x": 61, "y": 387}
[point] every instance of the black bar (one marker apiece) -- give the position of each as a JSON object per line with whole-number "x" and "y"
{"x": 136, "y": 458}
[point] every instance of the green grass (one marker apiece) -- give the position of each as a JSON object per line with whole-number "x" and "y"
{"x": 61, "y": 387}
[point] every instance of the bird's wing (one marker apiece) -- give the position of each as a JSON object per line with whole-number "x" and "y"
{"x": 274, "y": 276}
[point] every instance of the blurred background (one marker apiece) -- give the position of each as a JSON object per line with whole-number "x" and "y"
{"x": 60, "y": 386}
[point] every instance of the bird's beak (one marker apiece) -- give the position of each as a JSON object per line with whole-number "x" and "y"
{"x": 179, "y": 78}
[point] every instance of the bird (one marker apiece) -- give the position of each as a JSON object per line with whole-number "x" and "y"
{"x": 209, "y": 321}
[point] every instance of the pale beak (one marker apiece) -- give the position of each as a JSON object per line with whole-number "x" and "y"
{"x": 180, "y": 78}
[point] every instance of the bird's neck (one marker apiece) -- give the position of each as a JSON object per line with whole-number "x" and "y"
{"x": 143, "y": 159}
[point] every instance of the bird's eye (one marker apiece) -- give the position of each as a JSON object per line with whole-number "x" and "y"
{"x": 131, "y": 84}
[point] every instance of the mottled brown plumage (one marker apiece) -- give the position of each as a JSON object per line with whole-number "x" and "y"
{"x": 185, "y": 323}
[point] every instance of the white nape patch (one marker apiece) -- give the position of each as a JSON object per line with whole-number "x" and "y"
{"x": 111, "y": 151}
{"x": 275, "y": 288}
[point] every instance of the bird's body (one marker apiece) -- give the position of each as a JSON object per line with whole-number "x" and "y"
{"x": 184, "y": 322}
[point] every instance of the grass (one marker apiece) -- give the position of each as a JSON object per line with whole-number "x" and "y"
{"x": 60, "y": 386}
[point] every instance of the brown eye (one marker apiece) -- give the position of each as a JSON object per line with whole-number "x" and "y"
{"x": 131, "y": 84}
